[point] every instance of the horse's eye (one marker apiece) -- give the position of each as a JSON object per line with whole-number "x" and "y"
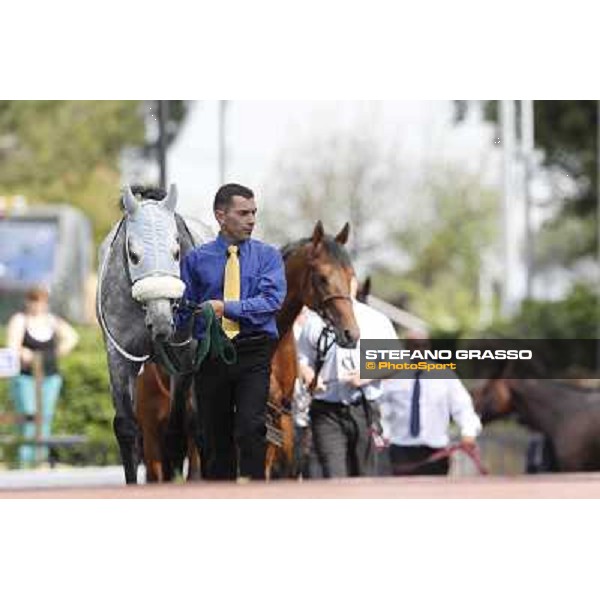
{"x": 134, "y": 258}
{"x": 135, "y": 251}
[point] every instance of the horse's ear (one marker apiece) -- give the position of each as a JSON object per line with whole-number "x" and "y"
{"x": 342, "y": 236}
{"x": 170, "y": 202}
{"x": 366, "y": 287}
{"x": 130, "y": 204}
{"x": 318, "y": 233}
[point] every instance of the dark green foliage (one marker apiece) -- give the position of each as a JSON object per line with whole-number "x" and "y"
{"x": 575, "y": 317}
{"x": 86, "y": 406}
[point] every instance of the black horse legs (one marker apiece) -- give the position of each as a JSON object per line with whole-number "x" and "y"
{"x": 122, "y": 383}
{"x": 127, "y": 434}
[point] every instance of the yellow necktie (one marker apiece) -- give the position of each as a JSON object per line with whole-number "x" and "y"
{"x": 231, "y": 288}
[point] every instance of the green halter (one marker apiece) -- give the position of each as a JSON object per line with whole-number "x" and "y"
{"x": 215, "y": 341}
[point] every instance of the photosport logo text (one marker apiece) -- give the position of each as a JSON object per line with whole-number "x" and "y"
{"x": 478, "y": 359}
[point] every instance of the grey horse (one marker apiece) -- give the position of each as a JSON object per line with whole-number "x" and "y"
{"x": 138, "y": 284}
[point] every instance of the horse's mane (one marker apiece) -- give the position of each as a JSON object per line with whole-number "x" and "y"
{"x": 336, "y": 250}
{"x": 146, "y": 193}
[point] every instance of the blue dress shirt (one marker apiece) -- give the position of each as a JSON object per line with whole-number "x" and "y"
{"x": 262, "y": 284}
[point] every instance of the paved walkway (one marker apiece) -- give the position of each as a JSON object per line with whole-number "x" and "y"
{"x": 63, "y": 477}
{"x": 107, "y": 483}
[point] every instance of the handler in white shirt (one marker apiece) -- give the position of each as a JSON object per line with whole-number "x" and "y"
{"x": 343, "y": 404}
{"x": 416, "y": 415}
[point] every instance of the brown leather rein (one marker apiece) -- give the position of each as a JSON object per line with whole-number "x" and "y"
{"x": 471, "y": 451}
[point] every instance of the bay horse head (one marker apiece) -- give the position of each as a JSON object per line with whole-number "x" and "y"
{"x": 493, "y": 399}
{"x": 319, "y": 274}
{"x": 152, "y": 250}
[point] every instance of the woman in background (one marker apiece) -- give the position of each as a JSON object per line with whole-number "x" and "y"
{"x": 37, "y": 332}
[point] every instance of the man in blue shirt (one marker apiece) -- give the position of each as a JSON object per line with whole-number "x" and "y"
{"x": 244, "y": 281}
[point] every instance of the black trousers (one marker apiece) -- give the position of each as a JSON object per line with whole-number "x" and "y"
{"x": 404, "y": 457}
{"x": 341, "y": 438}
{"x": 232, "y": 402}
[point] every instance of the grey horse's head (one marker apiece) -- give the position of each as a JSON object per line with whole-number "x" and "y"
{"x": 153, "y": 253}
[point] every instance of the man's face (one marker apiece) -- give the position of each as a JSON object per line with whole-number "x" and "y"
{"x": 237, "y": 221}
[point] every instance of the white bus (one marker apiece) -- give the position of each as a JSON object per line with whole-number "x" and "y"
{"x": 49, "y": 245}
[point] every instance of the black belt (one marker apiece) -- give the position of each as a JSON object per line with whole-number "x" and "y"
{"x": 334, "y": 404}
{"x": 248, "y": 340}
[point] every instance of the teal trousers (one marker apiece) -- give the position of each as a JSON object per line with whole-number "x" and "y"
{"x": 22, "y": 390}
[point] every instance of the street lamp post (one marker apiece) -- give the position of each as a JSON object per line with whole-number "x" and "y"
{"x": 223, "y": 106}
{"x": 598, "y": 233}
{"x": 527, "y": 145}
{"x": 507, "y": 121}
{"x": 516, "y": 226}
{"x": 163, "y": 116}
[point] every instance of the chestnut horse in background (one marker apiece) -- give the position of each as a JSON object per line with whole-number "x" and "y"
{"x": 318, "y": 273}
{"x": 153, "y": 412}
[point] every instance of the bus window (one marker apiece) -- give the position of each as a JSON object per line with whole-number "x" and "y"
{"x": 27, "y": 251}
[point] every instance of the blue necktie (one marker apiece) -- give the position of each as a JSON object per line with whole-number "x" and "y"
{"x": 415, "y": 416}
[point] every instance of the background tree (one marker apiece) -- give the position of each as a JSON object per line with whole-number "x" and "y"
{"x": 337, "y": 176}
{"x": 567, "y": 132}
{"x": 69, "y": 151}
{"x": 422, "y": 239}
{"x": 447, "y": 247}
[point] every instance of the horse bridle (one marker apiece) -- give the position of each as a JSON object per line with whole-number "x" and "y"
{"x": 321, "y": 307}
{"x": 103, "y": 324}
{"x": 327, "y": 336}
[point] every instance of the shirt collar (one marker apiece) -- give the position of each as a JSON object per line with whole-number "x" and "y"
{"x": 223, "y": 243}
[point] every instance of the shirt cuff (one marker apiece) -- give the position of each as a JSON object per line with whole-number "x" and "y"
{"x": 232, "y": 309}
{"x": 470, "y": 430}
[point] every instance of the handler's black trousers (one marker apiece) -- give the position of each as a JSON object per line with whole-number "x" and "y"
{"x": 232, "y": 403}
{"x": 405, "y": 461}
{"x": 341, "y": 438}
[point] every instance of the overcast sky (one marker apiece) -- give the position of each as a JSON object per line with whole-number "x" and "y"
{"x": 258, "y": 131}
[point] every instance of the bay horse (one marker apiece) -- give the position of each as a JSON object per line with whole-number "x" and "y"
{"x": 568, "y": 416}
{"x": 154, "y": 416}
{"x": 138, "y": 284}
{"x": 318, "y": 273}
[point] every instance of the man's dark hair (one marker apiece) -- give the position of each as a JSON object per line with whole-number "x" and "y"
{"x": 227, "y": 192}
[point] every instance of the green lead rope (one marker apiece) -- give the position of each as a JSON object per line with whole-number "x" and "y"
{"x": 215, "y": 342}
